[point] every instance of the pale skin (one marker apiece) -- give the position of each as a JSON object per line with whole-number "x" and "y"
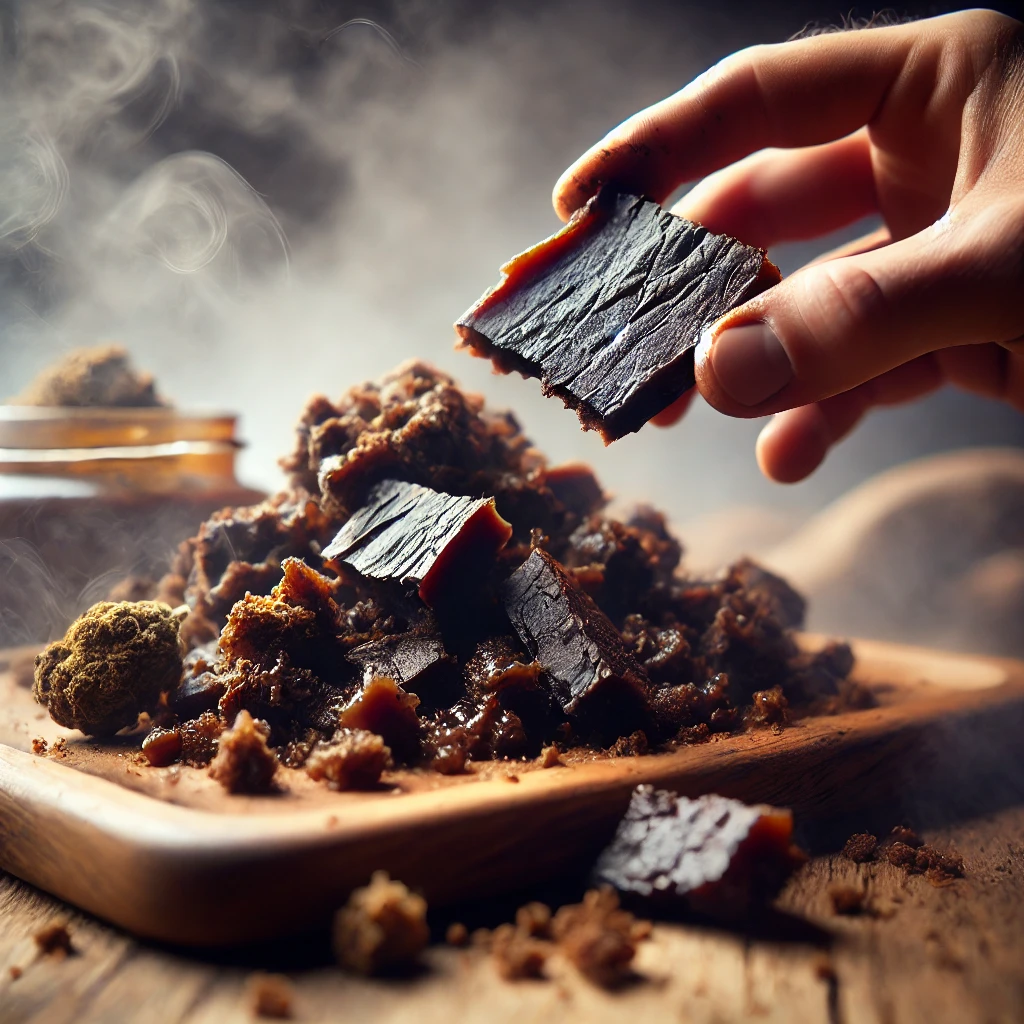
{"x": 922, "y": 124}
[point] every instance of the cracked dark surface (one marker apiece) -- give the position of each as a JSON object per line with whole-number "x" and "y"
{"x": 608, "y": 311}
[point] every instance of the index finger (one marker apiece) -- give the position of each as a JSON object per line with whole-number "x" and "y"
{"x": 800, "y": 93}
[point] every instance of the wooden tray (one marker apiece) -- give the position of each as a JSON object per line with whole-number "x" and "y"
{"x": 165, "y": 853}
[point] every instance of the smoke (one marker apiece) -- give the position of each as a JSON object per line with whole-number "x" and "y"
{"x": 264, "y": 200}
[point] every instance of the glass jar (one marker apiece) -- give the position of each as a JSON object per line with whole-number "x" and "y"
{"x": 96, "y": 501}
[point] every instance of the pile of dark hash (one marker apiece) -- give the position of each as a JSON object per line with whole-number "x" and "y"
{"x": 548, "y": 622}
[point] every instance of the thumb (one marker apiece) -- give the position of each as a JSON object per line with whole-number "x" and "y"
{"x": 837, "y": 324}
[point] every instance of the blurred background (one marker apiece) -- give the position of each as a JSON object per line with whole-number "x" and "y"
{"x": 262, "y": 199}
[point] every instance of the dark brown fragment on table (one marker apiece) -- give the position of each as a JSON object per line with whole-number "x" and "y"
{"x": 902, "y": 834}
{"x": 15, "y": 972}
{"x": 457, "y": 934}
{"x": 607, "y": 311}
{"x": 270, "y": 996}
{"x": 39, "y": 746}
{"x": 717, "y": 856}
{"x": 598, "y": 937}
{"x": 939, "y": 868}
{"x": 846, "y": 899}
{"x": 54, "y": 939}
{"x": 860, "y": 847}
{"x": 244, "y": 763}
{"x": 577, "y": 646}
{"x": 413, "y": 534}
{"x": 353, "y": 759}
{"x": 162, "y": 747}
{"x": 382, "y": 927}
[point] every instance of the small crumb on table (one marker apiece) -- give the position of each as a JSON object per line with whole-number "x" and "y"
{"x": 383, "y": 926}
{"x": 54, "y": 939}
{"x": 271, "y": 995}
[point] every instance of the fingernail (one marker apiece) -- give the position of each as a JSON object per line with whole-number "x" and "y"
{"x": 749, "y": 362}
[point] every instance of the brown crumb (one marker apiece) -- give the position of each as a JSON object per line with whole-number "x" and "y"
{"x": 244, "y": 763}
{"x": 596, "y": 936}
{"x": 846, "y": 899}
{"x": 457, "y": 934}
{"x": 15, "y": 972}
{"x": 824, "y": 969}
{"x": 271, "y": 995}
{"x": 900, "y": 855}
{"x": 860, "y": 847}
{"x": 550, "y": 757}
{"x": 512, "y": 778}
{"x": 59, "y": 747}
{"x": 534, "y": 919}
{"x": 905, "y": 835}
{"x": 517, "y": 954}
{"x": 768, "y": 707}
{"x": 382, "y": 927}
{"x": 354, "y": 759}
{"x": 39, "y": 746}
{"x": 54, "y": 939}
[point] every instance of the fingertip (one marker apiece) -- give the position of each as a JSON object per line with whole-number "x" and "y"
{"x": 673, "y": 413}
{"x": 793, "y": 444}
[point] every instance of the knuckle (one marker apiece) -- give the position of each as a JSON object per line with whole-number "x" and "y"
{"x": 839, "y": 298}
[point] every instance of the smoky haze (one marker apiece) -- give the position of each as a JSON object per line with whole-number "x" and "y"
{"x": 262, "y": 201}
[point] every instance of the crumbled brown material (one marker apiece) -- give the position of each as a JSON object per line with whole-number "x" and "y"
{"x": 113, "y": 664}
{"x": 271, "y": 996}
{"x": 714, "y": 855}
{"x": 100, "y": 376}
{"x": 382, "y": 927}
{"x": 457, "y": 934}
{"x": 353, "y": 759}
{"x": 598, "y": 937}
{"x": 54, "y": 939}
{"x": 244, "y": 763}
{"x": 517, "y": 954}
{"x": 199, "y": 739}
{"x": 39, "y": 746}
{"x": 15, "y": 972}
{"x": 860, "y": 847}
{"x": 904, "y": 848}
{"x": 478, "y": 672}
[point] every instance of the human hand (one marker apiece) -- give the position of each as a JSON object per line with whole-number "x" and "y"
{"x": 922, "y": 123}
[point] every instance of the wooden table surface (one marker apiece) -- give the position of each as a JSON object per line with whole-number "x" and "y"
{"x": 923, "y": 954}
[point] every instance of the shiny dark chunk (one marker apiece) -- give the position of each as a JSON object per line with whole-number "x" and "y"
{"x": 412, "y": 534}
{"x": 607, "y": 311}
{"x": 402, "y": 657}
{"x": 717, "y": 856}
{"x": 576, "y": 645}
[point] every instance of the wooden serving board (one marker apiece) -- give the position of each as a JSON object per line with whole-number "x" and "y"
{"x": 166, "y": 854}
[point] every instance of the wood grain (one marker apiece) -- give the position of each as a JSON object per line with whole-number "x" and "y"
{"x": 167, "y": 855}
{"x": 935, "y": 956}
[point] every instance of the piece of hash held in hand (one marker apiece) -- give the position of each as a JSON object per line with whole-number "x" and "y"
{"x": 607, "y": 312}
{"x": 713, "y": 855}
